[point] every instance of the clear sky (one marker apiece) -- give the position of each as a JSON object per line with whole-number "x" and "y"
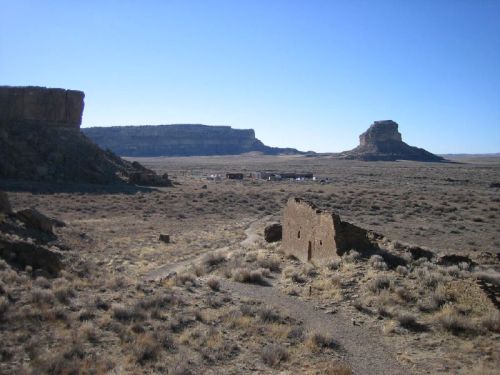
{"x": 306, "y": 74}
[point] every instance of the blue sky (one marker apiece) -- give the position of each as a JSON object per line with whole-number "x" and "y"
{"x": 306, "y": 74}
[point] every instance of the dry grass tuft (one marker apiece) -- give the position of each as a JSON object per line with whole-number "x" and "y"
{"x": 274, "y": 354}
{"x": 379, "y": 283}
{"x": 213, "y": 284}
{"x": 244, "y": 275}
{"x": 318, "y": 341}
{"x": 338, "y": 368}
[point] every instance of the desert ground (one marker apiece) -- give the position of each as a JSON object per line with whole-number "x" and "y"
{"x": 218, "y": 299}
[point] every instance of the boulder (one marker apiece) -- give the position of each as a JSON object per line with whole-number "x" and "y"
{"x": 164, "y": 238}
{"x": 22, "y": 254}
{"x": 36, "y": 220}
{"x": 4, "y": 203}
{"x": 273, "y": 232}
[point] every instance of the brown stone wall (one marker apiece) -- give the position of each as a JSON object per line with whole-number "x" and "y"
{"x": 39, "y": 104}
{"x": 319, "y": 236}
{"x": 308, "y": 233}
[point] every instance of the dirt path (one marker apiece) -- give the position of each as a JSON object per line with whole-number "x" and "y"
{"x": 169, "y": 269}
{"x": 362, "y": 349}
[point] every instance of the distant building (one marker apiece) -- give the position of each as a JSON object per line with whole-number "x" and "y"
{"x": 234, "y": 176}
{"x": 276, "y": 176}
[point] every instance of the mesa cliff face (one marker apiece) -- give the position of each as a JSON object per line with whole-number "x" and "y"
{"x": 40, "y": 139}
{"x": 382, "y": 141}
{"x": 179, "y": 140}
{"x": 41, "y": 105}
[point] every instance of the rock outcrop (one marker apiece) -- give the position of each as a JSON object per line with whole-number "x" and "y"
{"x": 41, "y": 105}
{"x": 180, "y": 140}
{"x": 4, "y": 204}
{"x": 40, "y": 140}
{"x": 273, "y": 232}
{"x": 382, "y": 141}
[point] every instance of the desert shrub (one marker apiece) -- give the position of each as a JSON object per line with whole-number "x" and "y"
{"x": 338, "y": 368}
{"x": 165, "y": 340}
{"x": 4, "y": 306}
{"x": 124, "y": 313}
{"x": 186, "y": 279}
{"x": 42, "y": 296}
{"x": 64, "y": 293}
{"x": 404, "y": 294}
{"x": 212, "y": 260}
{"x": 267, "y": 315}
{"x": 377, "y": 262}
{"x": 86, "y": 314}
{"x": 213, "y": 284}
{"x": 274, "y": 354}
{"x": 296, "y": 334}
{"x": 318, "y": 341}
{"x": 351, "y": 257}
{"x": 101, "y": 304}
{"x": 451, "y": 320}
{"x": 334, "y": 264}
{"x": 42, "y": 282}
{"x": 379, "y": 283}
{"x": 244, "y": 275}
{"x": 89, "y": 332}
{"x": 272, "y": 263}
{"x": 491, "y": 321}
{"x": 402, "y": 270}
{"x": 146, "y": 348}
{"x": 409, "y": 321}
{"x": 431, "y": 279}
{"x": 298, "y": 278}
{"x": 157, "y": 301}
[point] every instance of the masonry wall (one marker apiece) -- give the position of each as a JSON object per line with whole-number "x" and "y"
{"x": 312, "y": 235}
{"x": 47, "y": 106}
{"x": 308, "y": 233}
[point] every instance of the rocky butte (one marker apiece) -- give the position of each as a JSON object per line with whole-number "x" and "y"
{"x": 40, "y": 140}
{"x": 180, "y": 140}
{"x": 383, "y": 141}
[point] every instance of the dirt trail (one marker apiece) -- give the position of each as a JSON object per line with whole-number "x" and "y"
{"x": 362, "y": 349}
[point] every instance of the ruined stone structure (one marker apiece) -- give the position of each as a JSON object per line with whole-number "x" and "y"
{"x": 40, "y": 140}
{"x": 180, "y": 140}
{"x": 382, "y": 141}
{"x": 317, "y": 236}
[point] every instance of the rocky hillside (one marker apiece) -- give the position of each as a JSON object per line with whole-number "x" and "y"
{"x": 382, "y": 141}
{"x": 179, "y": 140}
{"x": 40, "y": 140}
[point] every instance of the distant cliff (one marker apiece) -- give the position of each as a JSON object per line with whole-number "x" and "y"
{"x": 179, "y": 140}
{"x": 40, "y": 140}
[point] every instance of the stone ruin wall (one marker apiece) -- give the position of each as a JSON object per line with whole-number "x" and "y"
{"x": 40, "y": 105}
{"x": 308, "y": 233}
{"x": 319, "y": 236}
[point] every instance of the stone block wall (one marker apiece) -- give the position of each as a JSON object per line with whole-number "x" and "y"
{"x": 317, "y": 236}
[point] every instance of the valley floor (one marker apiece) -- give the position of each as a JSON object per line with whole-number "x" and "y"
{"x": 219, "y": 299}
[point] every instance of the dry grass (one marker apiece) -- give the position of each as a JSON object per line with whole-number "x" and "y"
{"x": 244, "y": 275}
{"x": 274, "y": 354}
